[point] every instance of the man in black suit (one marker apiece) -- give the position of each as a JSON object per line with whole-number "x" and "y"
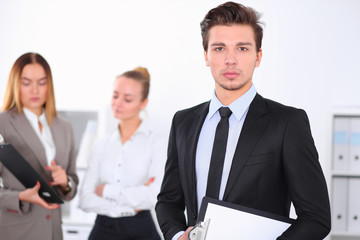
{"x": 270, "y": 159}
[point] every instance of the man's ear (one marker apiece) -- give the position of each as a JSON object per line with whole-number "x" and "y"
{"x": 258, "y": 58}
{"x": 206, "y": 59}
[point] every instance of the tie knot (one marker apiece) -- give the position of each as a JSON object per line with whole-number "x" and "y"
{"x": 225, "y": 112}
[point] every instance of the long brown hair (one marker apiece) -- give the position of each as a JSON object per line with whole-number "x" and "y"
{"x": 12, "y": 92}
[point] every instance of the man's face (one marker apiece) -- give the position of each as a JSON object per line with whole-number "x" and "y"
{"x": 232, "y": 56}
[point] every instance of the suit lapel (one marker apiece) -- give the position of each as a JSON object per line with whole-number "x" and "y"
{"x": 194, "y": 127}
{"x": 27, "y": 133}
{"x": 254, "y": 125}
{"x": 57, "y": 137}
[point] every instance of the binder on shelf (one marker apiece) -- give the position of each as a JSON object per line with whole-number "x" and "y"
{"x": 339, "y": 203}
{"x": 354, "y": 205}
{"x": 341, "y": 143}
{"x": 354, "y": 159}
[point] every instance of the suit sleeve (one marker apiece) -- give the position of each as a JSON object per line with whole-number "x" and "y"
{"x": 71, "y": 167}
{"x": 170, "y": 206}
{"x": 306, "y": 182}
{"x": 9, "y": 198}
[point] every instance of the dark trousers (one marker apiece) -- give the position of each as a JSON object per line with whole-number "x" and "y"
{"x": 138, "y": 227}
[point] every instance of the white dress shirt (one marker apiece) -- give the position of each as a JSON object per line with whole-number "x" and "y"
{"x": 45, "y": 135}
{"x": 124, "y": 169}
{"x": 239, "y": 110}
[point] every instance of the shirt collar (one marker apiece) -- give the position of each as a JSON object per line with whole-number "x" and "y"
{"x": 144, "y": 128}
{"x": 33, "y": 118}
{"x": 238, "y": 107}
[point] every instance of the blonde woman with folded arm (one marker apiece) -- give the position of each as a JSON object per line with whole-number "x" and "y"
{"x": 126, "y": 167}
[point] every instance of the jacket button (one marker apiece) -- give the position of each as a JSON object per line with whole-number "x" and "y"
{"x": 48, "y": 217}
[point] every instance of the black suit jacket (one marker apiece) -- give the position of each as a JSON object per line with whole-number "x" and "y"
{"x": 275, "y": 163}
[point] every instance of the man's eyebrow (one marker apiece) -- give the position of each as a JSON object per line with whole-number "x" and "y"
{"x": 217, "y": 44}
{"x": 220, "y": 44}
{"x": 244, "y": 43}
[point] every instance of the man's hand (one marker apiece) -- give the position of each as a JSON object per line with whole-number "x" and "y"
{"x": 31, "y": 195}
{"x": 185, "y": 234}
{"x": 58, "y": 175}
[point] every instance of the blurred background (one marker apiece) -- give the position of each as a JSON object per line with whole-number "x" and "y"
{"x": 310, "y": 56}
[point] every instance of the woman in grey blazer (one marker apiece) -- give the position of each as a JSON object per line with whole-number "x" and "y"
{"x": 30, "y": 123}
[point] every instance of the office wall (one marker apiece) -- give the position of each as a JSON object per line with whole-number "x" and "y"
{"x": 310, "y": 53}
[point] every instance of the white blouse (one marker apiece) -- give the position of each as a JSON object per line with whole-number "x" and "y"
{"x": 45, "y": 135}
{"x": 124, "y": 169}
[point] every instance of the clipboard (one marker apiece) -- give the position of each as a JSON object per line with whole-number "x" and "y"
{"x": 26, "y": 174}
{"x": 224, "y": 220}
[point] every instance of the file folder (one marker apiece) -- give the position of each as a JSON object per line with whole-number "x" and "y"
{"x": 341, "y": 143}
{"x": 354, "y": 160}
{"x": 339, "y": 203}
{"x": 25, "y": 173}
{"x": 354, "y": 205}
{"x": 232, "y": 221}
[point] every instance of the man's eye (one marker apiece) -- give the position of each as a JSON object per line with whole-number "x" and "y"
{"x": 128, "y": 100}
{"x": 219, "y": 49}
{"x": 242, "y": 48}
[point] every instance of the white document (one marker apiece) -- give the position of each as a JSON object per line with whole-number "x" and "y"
{"x": 231, "y": 223}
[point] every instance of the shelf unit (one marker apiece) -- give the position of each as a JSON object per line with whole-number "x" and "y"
{"x": 345, "y": 175}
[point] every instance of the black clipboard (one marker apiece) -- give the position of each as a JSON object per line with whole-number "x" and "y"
{"x": 225, "y": 219}
{"x": 26, "y": 174}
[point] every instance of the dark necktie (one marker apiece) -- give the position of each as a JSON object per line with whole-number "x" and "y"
{"x": 218, "y": 154}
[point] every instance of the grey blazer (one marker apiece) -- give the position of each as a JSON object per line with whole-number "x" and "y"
{"x": 24, "y": 220}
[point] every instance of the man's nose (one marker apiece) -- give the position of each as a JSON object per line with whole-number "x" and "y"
{"x": 230, "y": 58}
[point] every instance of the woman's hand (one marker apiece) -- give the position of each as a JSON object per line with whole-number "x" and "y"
{"x": 31, "y": 195}
{"x": 99, "y": 190}
{"x": 150, "y": 181}
{"x": 58, "y": 175}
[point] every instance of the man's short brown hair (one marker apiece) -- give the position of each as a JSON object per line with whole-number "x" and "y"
{"x": 228, "y": 14}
